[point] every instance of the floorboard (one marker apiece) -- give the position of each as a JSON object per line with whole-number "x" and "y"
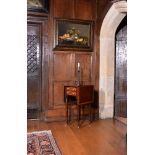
{"x": 101, "y": 137}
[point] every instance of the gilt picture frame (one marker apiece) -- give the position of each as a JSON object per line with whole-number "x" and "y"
{"x": 75, "y": 35}
{"x": 37, "y": 5}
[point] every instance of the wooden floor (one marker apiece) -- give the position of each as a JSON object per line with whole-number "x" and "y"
{"x": 102, "y": 137}
{"x": 122, "y": 119}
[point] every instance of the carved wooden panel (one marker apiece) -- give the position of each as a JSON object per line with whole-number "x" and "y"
{"x": 64, "y": 8}
{"x": 86, "y": 66}
{"x": 32, "y": 53}
{"x": 85, "y": 9}
{"x": 64, "y": 66}
{"x": 33, "y": 67}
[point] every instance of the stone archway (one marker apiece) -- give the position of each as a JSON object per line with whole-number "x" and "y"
{"x": 107, "y": 57}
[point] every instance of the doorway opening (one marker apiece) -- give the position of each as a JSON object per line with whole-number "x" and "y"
{"x": 34, "y": 70}
{"x": 120, "y": 97}
{"x": 107, "y": 58}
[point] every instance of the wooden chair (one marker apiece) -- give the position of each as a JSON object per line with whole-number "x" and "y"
{"x": 84, "y": 95}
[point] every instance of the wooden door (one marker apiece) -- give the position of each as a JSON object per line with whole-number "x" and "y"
{"x": 33, "y": 70}
{"x": 120, "y": 108}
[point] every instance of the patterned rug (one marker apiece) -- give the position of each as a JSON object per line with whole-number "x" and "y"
{"x": 42, "y": 143}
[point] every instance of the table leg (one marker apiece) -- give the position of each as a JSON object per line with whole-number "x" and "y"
{"x": 79, "y": 115}
{"x": 66, "y": 110}
{"x": 90, "y": 113}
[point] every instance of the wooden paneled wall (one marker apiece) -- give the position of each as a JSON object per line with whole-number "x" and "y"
{"x": 62, "y": 65}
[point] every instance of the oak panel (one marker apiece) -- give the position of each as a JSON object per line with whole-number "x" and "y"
{"x": 86, "y": 66}
{"x": 64, "y": 66}
{"x": 85, "y": 9}
{"x": 64, "y": 8}
{"x": 58, "y": 91}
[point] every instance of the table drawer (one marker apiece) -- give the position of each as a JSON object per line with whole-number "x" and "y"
{"x": 71, "y": 91}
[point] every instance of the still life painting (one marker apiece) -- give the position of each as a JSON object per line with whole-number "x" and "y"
{"x": 73, "y": 34}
